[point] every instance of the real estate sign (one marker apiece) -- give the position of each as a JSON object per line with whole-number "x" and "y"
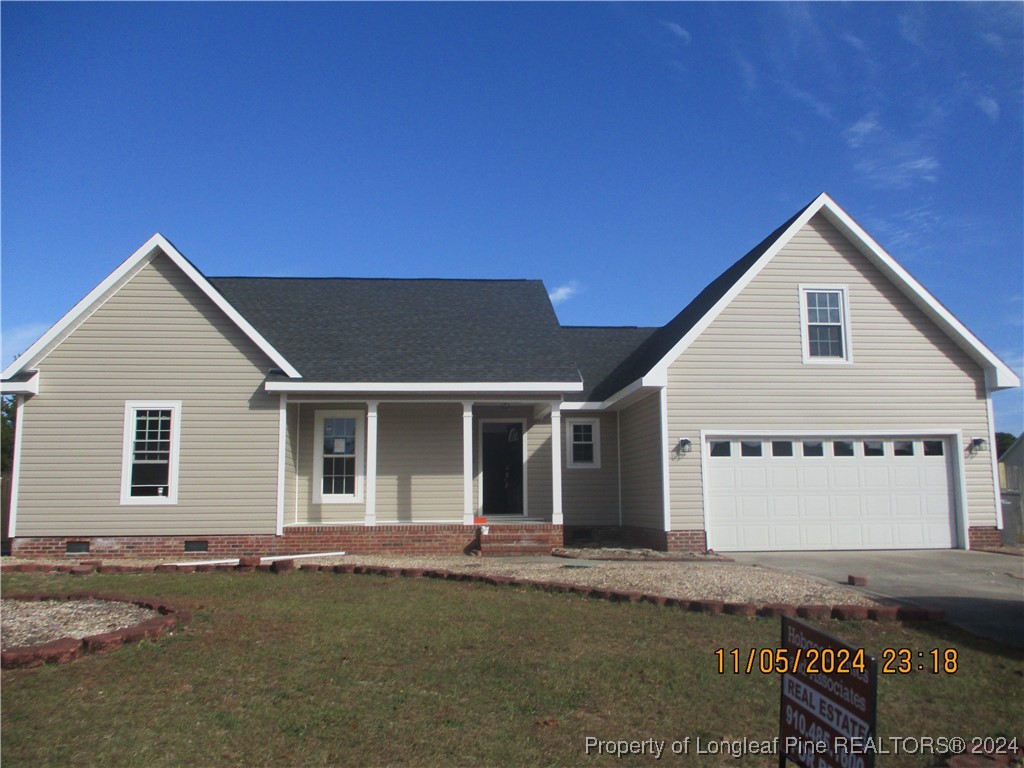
{"x": 828, "y": 701}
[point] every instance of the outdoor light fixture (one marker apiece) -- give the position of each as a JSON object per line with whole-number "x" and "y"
{"x": 978, "y": 444}
{"x": 684, "y": 445}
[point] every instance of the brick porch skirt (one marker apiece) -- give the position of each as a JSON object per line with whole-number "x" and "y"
{"x": 408, "y": 539}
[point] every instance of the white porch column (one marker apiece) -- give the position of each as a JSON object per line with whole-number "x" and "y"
{"x": 371, "y": 463}
{"x": 467, "y": 463}
{"x": 556, "y": 464}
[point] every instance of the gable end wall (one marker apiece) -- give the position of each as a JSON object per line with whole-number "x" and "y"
{"x": 746, "y": 370}
{"x": 157, "y": 338}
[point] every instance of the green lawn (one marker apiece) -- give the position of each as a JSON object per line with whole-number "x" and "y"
{"x": 325, "y": 669}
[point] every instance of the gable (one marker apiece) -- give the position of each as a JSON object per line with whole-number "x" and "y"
{"x": 154, "y": 247}
{"x": 703, "y": 310}
{"x": 891, "y": 337}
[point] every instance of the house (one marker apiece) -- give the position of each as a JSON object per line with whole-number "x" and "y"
{"x": 814, "y": 396}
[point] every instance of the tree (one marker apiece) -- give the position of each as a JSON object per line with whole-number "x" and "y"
{"x": 6, "y": 435}
{"x": 1003, "y": 441}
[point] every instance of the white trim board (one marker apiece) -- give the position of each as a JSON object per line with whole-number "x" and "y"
{"x": 119, "y": 277}
{"x": 412, "y": 387}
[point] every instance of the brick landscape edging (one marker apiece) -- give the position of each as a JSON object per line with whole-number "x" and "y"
{"x": 712, "y": 607}
{"x": 69, "y": 648}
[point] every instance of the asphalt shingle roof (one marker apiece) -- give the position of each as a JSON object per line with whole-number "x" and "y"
{"x": 603, "y": 355}
{"x": 390, "y": 330}
{"x": 370, "y": 330}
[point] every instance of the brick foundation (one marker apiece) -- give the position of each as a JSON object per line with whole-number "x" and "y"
{"x": 354, "y": 539}
{"x": 984, "y": 536}
{"x": 665, "y": 541}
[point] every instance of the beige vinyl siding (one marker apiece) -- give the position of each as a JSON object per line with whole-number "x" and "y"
{"x": 299, "y": 506}
{"x": 640, "y": 444}
{"x": 746, "y": 370}
{"x": 538, "y": 469}
{"x": 157, "y": 338}
{"x": 419, "y": 462}
{"x": 590, "y": 497}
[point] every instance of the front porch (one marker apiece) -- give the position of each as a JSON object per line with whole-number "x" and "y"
{"x": 403, "y": 465}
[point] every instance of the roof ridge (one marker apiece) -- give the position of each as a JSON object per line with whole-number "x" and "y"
{"x": 382, "y": 279}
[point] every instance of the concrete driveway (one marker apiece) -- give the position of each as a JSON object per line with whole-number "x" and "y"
{"x": 981, "y": 592}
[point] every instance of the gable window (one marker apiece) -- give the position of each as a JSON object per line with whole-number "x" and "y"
{"x": 824, "y": 321}
{"x": 583, "y": 441}
{"x": 338, "y": 455}
{"x": 149, "y": 469}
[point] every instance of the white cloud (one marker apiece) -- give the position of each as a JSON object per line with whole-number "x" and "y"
{"x": 747, "y": 71}
{"x": 564, "y": 292}
{"x": 910, "y": 29}
{"x": 855, "y": 42}
{"x": 898, "y": 169}
{"x": 16, "y": 340}
{"x": 989, "y": 106}
{"x": 994, "y": 40}
{"x": 858, "y": 133}
{"x": 820, "y": 108}
{"x": 678, "y": 31}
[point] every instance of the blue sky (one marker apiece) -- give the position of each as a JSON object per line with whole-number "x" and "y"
{"x": 623, "y": 153}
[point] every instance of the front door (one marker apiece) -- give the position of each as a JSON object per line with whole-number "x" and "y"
{"x": 502, "y": 448}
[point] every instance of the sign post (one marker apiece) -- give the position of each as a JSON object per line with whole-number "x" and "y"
{"x": 828, "y": 702}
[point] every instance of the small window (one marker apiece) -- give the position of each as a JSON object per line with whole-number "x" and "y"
{"x": 842, "y": 448}
{"x": 721, "y": 448}
{"x": 149, "y": 471}
{"x": 750, "y": 448}
{"x": 814, "y": 448}
{"x": 824, "y": 323}
{"x": 76, "y": 547}
{"x": 584, "y": 443}
{"x": 782, "y": 448}
{"x": 874, "y": 448}
{"x": 903, "y": 447}
{"x": 197, "y": 546}
{"x": 933, "y": 448}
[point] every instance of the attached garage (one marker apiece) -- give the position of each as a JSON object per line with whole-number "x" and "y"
{"x": 836, "y": 492}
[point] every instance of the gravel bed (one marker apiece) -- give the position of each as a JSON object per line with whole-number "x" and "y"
{"x": 709, "y": 580}
{"x": 25, "y": 622}
{"x": 695, "y": 581}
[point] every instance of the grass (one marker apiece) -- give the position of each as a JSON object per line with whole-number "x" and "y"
{"x": 321, "y": 669}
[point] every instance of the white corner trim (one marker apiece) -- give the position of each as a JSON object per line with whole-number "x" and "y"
{"x": 595, "y": 424}
{"x": 282, "y": 448}
{"x": 19, "y": 428}
{"x": 412, "y": 387}
{"x": 27, "y": 387}
{"x": 114, "y": 281}
{"x": 130, "y": 407}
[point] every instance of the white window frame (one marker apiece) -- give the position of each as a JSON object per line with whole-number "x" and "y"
{"x": 319, "y": 497}
{"x": 595, "y": 430}
{"x": 844, "y": 304}
{"x": 131, "y": 407}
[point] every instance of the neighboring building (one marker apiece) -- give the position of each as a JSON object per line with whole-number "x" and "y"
{"x": 1011, "y": 486}
{"x": 814, "y": 396}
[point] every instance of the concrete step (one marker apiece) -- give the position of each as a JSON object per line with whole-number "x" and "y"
{"x": 514, "y": 549}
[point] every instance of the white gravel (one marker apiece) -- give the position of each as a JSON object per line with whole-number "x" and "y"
{"x": 25, "y": 622}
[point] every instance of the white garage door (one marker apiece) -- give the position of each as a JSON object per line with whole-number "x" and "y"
{"x": 829, "y": 493}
